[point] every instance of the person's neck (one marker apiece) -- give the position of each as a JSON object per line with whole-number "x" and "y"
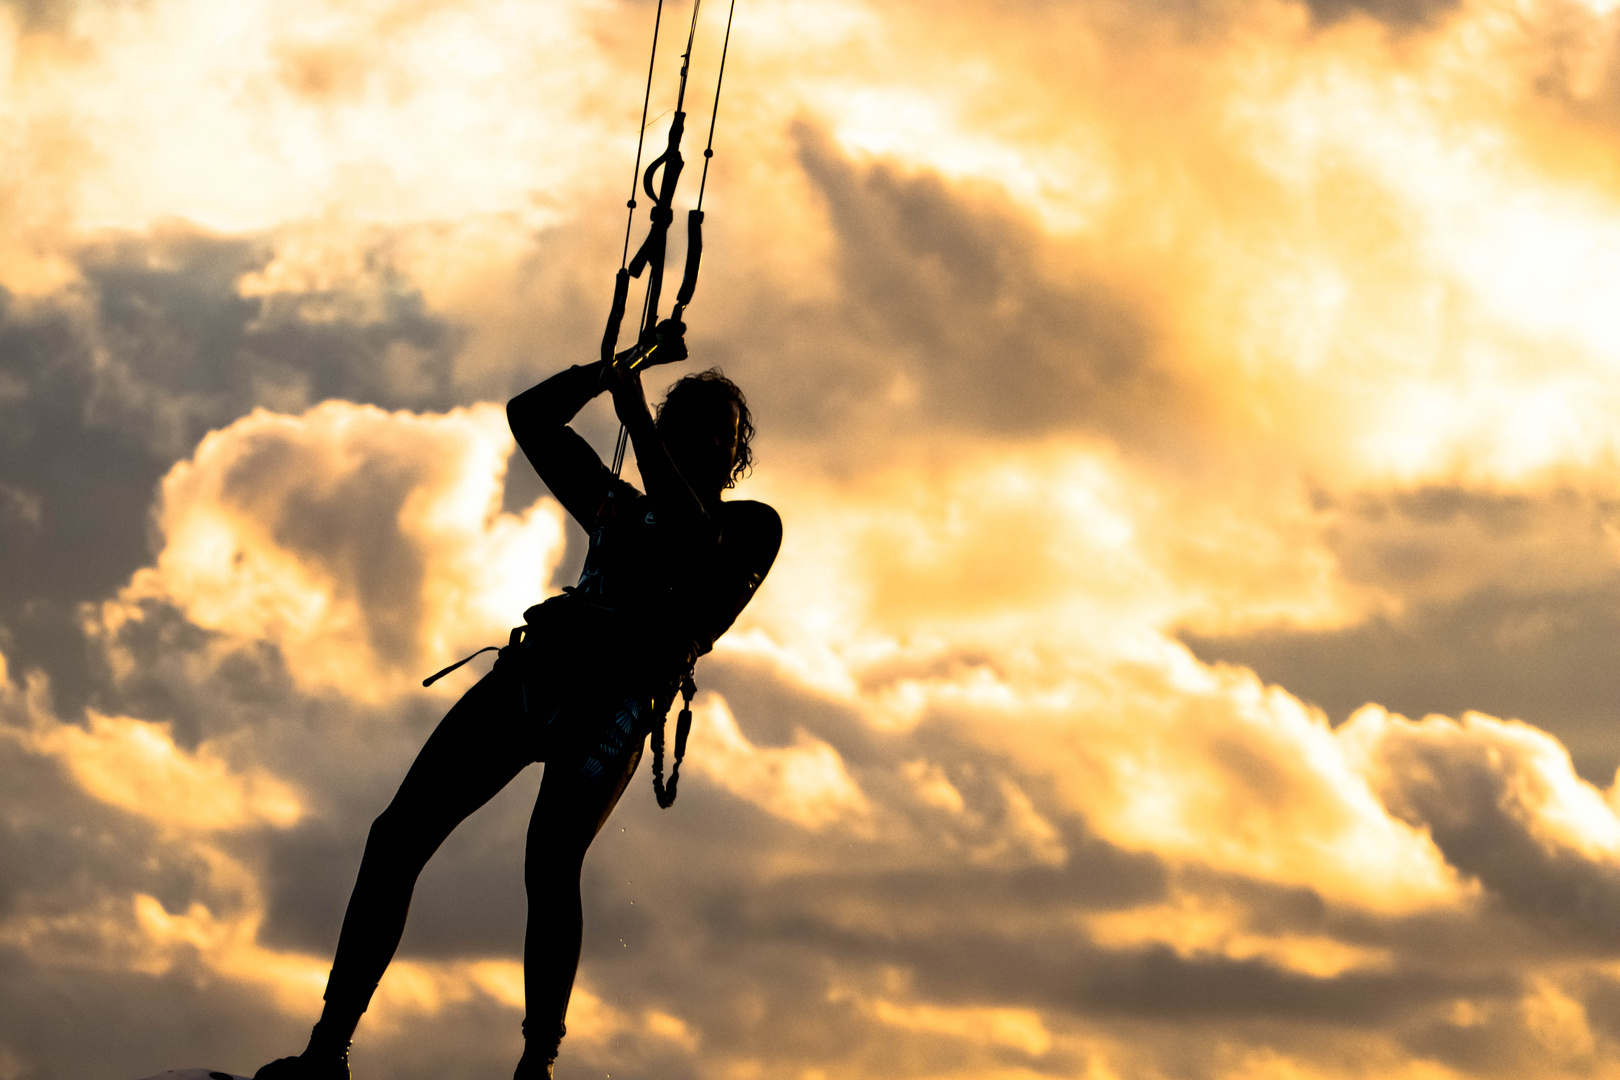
{"x": 711, "y": 502}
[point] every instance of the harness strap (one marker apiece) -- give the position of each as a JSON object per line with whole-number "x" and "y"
{"x": 683, "y": 728}
{"x": 436, "y": 676}
{"x": 517, "y": 636}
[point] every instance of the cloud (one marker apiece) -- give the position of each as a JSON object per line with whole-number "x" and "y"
{"x": 1401, "y": 14}
{"x": 1489, "y": 599}
{"x": 806, "y": 784}
{"x": 105, "y": 383}
{"x": 360, "y": 543}
{"x": 936, "y": 285}
{"x": 136, "y": 766}
{"x": 1503, "y": 803}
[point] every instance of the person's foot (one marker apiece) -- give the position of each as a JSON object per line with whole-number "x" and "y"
{"x": 530, "y": 1067}
{"x": 304, "y": 1067}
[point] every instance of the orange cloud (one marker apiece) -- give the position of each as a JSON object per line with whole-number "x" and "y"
{"x": 136, "y": 766}
{"x": 367, "y": 546}
{"x": 806, "y": 783}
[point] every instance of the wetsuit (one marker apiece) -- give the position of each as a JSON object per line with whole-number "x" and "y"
{"x": 664, "y": 578}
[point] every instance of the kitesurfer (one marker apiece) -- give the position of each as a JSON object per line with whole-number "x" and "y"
{"x": 591, "y": 674}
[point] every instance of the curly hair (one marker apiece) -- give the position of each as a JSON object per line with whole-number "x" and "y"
{"x": 700, "y": 392}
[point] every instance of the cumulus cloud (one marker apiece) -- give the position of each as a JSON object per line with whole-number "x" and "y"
{"x": 361, "y": 543}
{"x": 806, "y": 783}
{"x": 136, "y": 766}
{"x": 1502, "y": 801}
{"x": 1487, "y": 599}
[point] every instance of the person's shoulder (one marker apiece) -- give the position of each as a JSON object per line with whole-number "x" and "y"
{"x": 751, "y": 515}
{"x": 756, "y": 522}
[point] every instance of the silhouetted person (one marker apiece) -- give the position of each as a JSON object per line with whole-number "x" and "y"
{"x": 667, "y": 572}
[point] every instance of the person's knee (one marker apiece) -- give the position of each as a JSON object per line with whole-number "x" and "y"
{"x": 395, "y": 838}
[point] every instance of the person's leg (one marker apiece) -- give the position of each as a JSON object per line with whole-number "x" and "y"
{"x": 482, "y": 743}
{"x": 474, "y": 752}
{"x": 581, "y": 787}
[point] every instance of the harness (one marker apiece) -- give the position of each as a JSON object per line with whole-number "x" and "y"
{"x": 528, "y": 636}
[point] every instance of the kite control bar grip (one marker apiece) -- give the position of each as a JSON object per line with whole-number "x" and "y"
{"x": 610, "y": 336}
{"x": 694, "y": 257}
{"x": 666, "y": 345}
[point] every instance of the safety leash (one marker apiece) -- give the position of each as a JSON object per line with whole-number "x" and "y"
{"x": 683, "y": 728}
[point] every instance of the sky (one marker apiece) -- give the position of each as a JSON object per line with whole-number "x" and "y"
{"x": 1191, "y": 652}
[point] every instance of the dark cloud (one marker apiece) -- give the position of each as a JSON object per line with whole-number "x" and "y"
{"x": 186, "y": 353}
{"x": 962, "y": 934}
{"x": 1400, "y": 14}
{"x": 1601, "y": 996}
{"x": 949, "y": 316}
{"x": 66, "y": 1025}
{"x": 69, "y": 867}
{"x": 972, "y": 937}
{"x": 1480, "y": 792}
{"x": 787, "y": 963}
{"x": 1507, "y": 607}
{"x": 1545, "y": 659}
{"x": 40, "y": 14}
{"x": 79, "y": 490}
{"x": 105, "y": 385}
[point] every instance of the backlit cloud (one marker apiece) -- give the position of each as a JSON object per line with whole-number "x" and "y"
{"x": 363, "y": 544}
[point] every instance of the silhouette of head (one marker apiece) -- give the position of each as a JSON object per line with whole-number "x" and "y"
{"x": 705, "y": 423}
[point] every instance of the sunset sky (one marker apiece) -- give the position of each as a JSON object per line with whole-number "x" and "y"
{"x": 1192, "y": 655}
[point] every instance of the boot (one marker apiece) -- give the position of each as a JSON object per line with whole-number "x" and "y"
{"x": 303, "y": 1067}
{"x": 325, "y": 1058}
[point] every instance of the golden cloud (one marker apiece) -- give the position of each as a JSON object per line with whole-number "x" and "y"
{"x": 806, "y": 783}
{"x": 136, "y": 766}
{"x": 366, "y": 545}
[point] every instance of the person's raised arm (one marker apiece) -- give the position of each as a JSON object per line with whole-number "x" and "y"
{"x": 673, "y": 498}
{"x": 539, "y": 420}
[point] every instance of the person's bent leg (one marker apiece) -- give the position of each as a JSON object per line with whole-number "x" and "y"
{"x": 402, "y": 839}
{"x": 473, "y": 753}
